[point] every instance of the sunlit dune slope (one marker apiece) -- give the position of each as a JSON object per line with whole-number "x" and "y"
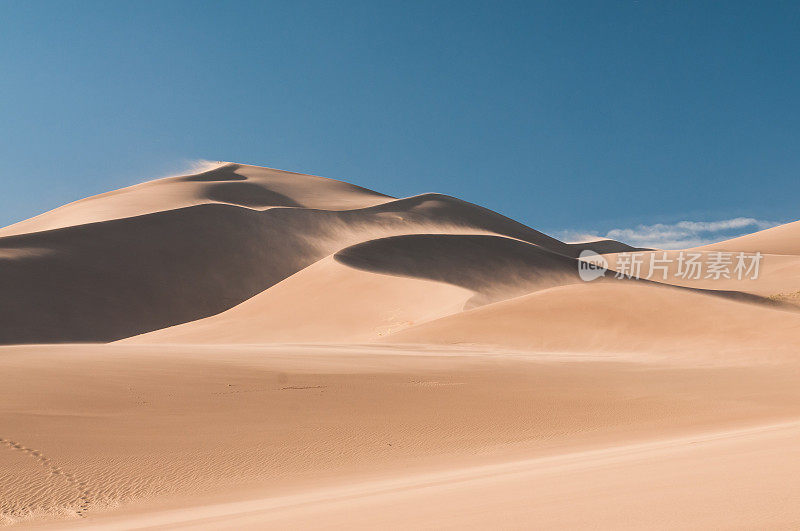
{"x": 783, "y": 239}
{"x": 327, "y": 301}
{"x": 619, "y": 316}
{"x": 378, "y": 287}
{"x": 777, "y": 273}
{"x": 228, "y": 183}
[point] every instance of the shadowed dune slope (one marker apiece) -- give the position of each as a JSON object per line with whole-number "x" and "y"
{"x": 108, "y": 280}
{"x": 618, "y": 316}
{"x": 605, "y": 246}
{"x": 493, "y": 267}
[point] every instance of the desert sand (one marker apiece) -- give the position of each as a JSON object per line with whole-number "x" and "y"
{"x": 248, "y": 348}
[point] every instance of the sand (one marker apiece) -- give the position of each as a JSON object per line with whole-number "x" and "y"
{"x": 247, "y": 348}
{"x": 171, "y": 434}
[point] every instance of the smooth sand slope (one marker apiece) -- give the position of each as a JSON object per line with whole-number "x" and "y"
{"x": 702, "y": 475}
{"x": 326, "y": 301}
{"x": 780, "y": 240}
{"x": 90, "y": 430}
{"x": 290, "y": 351}
{"x": 778, "y": 275}
{"x": 622, "y": 317}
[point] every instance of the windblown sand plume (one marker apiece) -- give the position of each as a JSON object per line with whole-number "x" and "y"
{"x": 245, "y": 347}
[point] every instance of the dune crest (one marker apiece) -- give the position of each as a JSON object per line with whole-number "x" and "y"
{"x": 224, "y": 182}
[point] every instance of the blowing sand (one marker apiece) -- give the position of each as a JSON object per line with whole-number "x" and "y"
{"x": 251, "y": 348}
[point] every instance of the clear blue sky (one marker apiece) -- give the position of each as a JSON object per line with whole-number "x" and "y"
{"x": 564, "y": 115}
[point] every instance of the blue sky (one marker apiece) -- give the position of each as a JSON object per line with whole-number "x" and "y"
{"x": 572, "y": 117}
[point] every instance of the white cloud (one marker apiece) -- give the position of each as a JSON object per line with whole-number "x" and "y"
{"x": 681, "y": 235}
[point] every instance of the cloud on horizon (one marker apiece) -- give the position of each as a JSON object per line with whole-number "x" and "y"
{"x": 680, "y": 235}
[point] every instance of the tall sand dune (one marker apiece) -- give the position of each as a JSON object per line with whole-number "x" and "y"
{"x": 99, "y": 272}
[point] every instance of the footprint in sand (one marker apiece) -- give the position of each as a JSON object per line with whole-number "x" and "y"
{"x": 84, "y": 496}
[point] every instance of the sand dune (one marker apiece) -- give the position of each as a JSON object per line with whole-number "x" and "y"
{"x": 102, "y": 281}
{"x": 620, "y": 316}
{"x": 299, "y": 352}
{"x": 778, "y": 274}
{"x": 165, "y": 252}
{"x": 327, "y": 301}
{"x": 783, "y": 239}
{"x": 235, "y": 184}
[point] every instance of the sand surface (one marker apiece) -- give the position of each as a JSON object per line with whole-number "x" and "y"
{"x": 298, "y": 431}
{"x": 249, "y": 348}
{"x": 575, "y": 490}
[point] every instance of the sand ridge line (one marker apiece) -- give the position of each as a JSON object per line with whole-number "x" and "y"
{"x": 84, "y": 496}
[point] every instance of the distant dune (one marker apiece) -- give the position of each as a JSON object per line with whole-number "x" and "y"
{"x": 780, "y": 240}
{"x": 279, "y": 350}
